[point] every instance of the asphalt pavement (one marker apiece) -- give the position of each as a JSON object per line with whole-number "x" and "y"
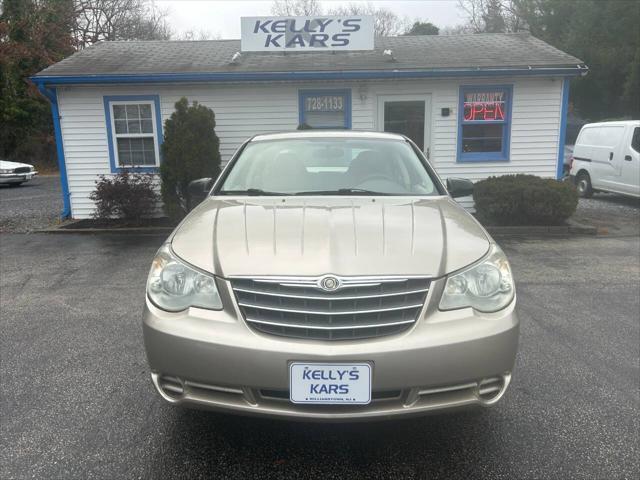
{"x": 33, "y": 205}
{"x": 77, "y": 401}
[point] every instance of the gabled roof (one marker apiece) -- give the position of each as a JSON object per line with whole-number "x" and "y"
{"x": 428, "y": 53}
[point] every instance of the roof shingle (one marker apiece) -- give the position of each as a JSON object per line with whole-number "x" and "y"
{"x": 428, "y": 52}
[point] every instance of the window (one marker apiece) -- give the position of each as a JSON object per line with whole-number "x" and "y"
{"x": 133, "y": 125}
{"x": 635, "y": 140}
{"x": 601, "y": 136}
{"x": 329, "y": 166}
{"x": 484, "y": 123}
{"x": 325, "y": 109}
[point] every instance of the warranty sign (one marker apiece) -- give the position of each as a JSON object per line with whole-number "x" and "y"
{"x": 308, "y": 34}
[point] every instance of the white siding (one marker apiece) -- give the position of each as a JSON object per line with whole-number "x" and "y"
{"x": 244, "y": 110}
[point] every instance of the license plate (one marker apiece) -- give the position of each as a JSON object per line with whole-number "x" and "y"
{"x": 330, "y": 383}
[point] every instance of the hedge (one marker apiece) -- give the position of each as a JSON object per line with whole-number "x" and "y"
{"x": 524, "y": 200}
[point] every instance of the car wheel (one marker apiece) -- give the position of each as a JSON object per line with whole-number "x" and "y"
{"x": 583, "y": 184}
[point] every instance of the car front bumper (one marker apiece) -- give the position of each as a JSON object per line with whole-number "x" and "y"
{"x": 447, "y": 360}
{"x": 16, "y": 177}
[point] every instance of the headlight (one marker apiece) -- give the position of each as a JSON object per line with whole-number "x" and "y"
{"x": 174, "y": 286}
{"x": 487, "y": 286}
{"x": 5, "y": 170}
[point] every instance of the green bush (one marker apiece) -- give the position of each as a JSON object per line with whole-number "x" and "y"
{"x": 190, "y": 150}
{"x": 524, "y": 200}
{"x": 127, "y": 196}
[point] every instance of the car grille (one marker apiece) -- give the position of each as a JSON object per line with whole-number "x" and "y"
{"x": 361, "y": 307}
{"x": 22, "y": 170}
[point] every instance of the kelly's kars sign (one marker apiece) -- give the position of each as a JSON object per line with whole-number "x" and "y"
{"x": 307, "y": 34}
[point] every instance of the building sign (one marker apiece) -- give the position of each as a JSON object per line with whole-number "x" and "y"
{"x": 324, "y": 103}
{"x": 484, "y": 106}
{"x": 307, "y": 34}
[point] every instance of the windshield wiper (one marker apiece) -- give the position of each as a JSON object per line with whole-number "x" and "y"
{"x": 343, "y": 191}
{"x": 256, "y": 192}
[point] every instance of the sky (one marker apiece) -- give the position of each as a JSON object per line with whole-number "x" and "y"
{"x": 221, "y": 18}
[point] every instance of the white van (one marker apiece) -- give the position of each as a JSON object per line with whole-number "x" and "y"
{"x": 606, "y": 158}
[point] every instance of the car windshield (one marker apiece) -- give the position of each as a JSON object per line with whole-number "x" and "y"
{"x": 328, "y": 166}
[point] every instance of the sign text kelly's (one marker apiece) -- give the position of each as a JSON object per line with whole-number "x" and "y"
{"x": 263, "y": 34}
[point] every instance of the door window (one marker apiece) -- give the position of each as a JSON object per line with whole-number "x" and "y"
{"x": 406, "y": 117}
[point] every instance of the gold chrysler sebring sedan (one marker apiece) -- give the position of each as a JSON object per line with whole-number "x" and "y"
{"x": 330, "y": 276}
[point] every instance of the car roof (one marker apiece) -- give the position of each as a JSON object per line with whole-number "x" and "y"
{"x": 613, "y": 123}
{"x": 346, "y": 134}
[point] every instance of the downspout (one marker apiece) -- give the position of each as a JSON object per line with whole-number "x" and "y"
{"x": 563, "y": 127}
{"x": 51, "y": 95}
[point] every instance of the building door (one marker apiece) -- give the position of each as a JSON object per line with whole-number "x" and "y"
{"x": 408, "y": 115}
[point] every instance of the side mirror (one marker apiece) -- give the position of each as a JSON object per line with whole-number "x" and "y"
{"x": 459, "y": 187}
{"x": 198, "y": 190}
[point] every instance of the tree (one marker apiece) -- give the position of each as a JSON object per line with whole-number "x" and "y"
{"x": 422, "y": 28}
{"x": 98, "y": 20}
{"x": 33, "y": 35}
{"x": 605, "y": 35}
{"x": 492, "y": 16}
{"x": 386, "y": 22}
{"x": 296, "y": 8}
{"x": 190, "y": 150}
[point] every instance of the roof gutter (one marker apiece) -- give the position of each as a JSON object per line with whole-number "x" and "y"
{"x": 304, "y": 75}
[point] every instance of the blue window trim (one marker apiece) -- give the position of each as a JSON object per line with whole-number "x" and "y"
{"x": 503, "y": 155}
{"x": 158, "y": 120}
{"x": 563, "y": 127}
{"x": 303, "y": 94}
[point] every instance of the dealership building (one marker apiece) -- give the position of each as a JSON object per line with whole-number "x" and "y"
{"x": 477, "y": 105}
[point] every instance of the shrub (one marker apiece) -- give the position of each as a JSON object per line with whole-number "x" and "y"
{"x": 524, "y": 200}
{"x": 190, "y": 150}
{"x": 127, "y": 196}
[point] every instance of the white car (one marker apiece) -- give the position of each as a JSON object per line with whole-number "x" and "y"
{"x": 14, "y": 173}
{"x": 606, "y": 158}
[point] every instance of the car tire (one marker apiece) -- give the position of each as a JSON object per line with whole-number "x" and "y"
{"x": 583, "y": 185}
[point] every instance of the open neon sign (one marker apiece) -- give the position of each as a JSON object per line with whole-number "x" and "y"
{"x": 484, "y": 106}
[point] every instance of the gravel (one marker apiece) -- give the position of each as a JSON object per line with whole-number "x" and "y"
{"x": 32, "y": 206}
{"x": 612, "y": 214}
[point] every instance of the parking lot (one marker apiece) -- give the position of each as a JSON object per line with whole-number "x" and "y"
{"x": 31, "y": 206}
{"x": 77, "y": 400}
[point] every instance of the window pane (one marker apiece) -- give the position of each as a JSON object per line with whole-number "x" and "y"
{"x": 136, "y": 151}
{"x": 121, "y": 126}
{"x": 145, "y": 111}
{"x": 635, "y": 141}
{"x": 134, "y": 126}
{"x": 124, "y": 151}
{"x": 406, "y": 118}
{"x": 482, "y": 138}
{"x": 133, "y": 112}
{"x": 147, "y": 126}
{"x": 119, "y": 111}
{"x": 325, "y": 119}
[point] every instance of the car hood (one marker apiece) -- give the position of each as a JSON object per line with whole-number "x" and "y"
{"x": 7, "y": 164}
{"x": 338, "y": 235}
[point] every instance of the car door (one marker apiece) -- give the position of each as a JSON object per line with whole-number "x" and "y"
{"x": 606, "y": 158}
{"x": 630, "y": 170}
